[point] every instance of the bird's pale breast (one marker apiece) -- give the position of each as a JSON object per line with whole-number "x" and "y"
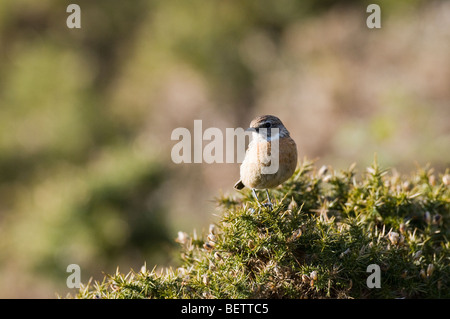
{"x": 258, "y": 156}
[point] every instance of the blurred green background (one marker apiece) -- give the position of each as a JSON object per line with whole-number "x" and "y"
{"x": 86, "y": 114}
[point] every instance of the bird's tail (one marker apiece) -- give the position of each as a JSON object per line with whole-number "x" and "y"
{"x": 239, "y": 185}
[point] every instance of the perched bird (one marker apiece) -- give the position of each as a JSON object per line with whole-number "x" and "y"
{"x": 270, "y": 142}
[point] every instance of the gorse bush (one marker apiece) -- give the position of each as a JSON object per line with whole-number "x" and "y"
{"x": 318, "y": 241}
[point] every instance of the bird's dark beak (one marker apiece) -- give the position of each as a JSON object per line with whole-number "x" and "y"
{"x": 251, "y": 129}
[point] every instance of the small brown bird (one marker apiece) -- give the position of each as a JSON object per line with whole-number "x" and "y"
{"x": 271, "y": 144}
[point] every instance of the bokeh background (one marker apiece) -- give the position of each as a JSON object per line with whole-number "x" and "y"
{"x": 86, "y": 115}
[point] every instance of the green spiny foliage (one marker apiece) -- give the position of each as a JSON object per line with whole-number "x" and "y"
{"x": 325, "y": 229}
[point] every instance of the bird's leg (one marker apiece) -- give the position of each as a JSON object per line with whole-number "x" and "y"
{"x": 268, "y": 199}
{"x": 256, "y": 196}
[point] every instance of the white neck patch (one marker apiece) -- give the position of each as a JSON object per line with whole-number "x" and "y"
{"x": 263, "y": 137}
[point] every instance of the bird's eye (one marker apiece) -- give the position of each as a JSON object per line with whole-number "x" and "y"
{"x": 266, "y": 125}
